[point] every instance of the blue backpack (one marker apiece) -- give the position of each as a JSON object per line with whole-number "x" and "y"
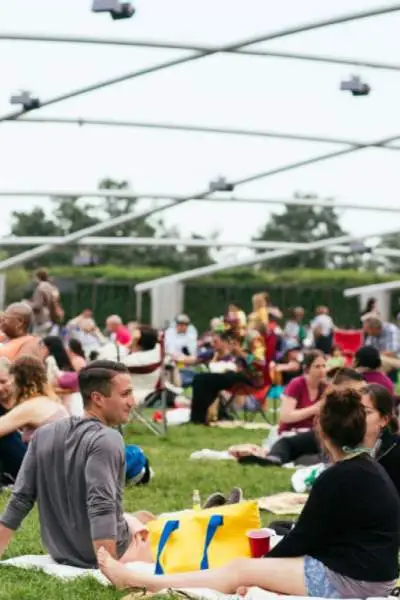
{"x": 136, "y": 465}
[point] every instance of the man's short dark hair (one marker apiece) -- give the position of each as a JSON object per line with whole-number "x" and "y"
{"x": 346, "y": 375}
{"x": 97, "y": 377}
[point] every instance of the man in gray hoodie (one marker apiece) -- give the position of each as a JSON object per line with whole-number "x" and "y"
{"x": 75, "y": 470}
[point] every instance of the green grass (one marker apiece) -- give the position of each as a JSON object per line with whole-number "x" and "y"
{"x": 172, "y": 487}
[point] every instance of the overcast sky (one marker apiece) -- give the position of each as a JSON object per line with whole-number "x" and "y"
{"x": 223, "y": 90}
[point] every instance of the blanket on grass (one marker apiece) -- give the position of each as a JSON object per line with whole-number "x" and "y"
{"x": 285, "y": 503}
{"x": 47, "y": 565}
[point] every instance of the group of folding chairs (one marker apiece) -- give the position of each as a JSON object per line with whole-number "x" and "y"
{"x": 162, "y": 397}
{"x": 256, "y": 399}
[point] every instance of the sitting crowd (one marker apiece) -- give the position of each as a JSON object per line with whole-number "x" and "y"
{"x": 69, "y": 457}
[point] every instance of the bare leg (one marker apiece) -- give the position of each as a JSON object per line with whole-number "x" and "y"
{"x": 144, "y": 516}
{"x": 267, "y": 573}
{"x": 139, "y": 549}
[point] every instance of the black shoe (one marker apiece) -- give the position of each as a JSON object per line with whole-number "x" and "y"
{"x": 264, "y": 461}
{"x": 236, "y": 496}
{"x": 216, "y": 499}
{"x": 282, "y": 527}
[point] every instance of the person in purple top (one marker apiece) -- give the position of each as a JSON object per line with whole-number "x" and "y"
{"x": 368, "y": 362}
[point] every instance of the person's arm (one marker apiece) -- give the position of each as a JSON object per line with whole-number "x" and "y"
{"x": 312, "y": 530}
{"x": 106, "y": 459}
{"x": 99, "y": 336}
{"x": 16, "y": 418}
{"x": 392, "y": 342}
{"x": 6, "y": 536}
{"x": 290, "y": 414}
{"x": 290, "y": 367}
{"x": 22, "y": 500}
{"x": 39, "y": 300}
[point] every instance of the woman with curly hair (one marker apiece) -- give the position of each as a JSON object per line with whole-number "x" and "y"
{"x": 35, "y": 402}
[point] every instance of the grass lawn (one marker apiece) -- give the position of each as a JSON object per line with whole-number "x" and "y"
{"x": 171, "y": 489}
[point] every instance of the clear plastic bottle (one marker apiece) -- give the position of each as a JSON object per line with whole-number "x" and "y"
{"x": 196, "y": 500}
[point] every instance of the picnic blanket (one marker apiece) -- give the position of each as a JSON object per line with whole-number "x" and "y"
{"x": 46, "y": 564}
{"x": 285, "y": 503}
{"x": 242, "y": 424}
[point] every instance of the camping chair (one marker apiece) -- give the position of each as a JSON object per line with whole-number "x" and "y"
{"x": 258, "y": 395}
{"x": 348, "y": 341}
{"x": 255, "y": 403}
{"x": 159, "y": 394}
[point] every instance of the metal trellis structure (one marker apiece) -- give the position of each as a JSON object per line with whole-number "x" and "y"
{"x": 240, "y": 47}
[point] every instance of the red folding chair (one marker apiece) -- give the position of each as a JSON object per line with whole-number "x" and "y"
{"x": 258, "y": 394}
{"x": 348, "y": 341}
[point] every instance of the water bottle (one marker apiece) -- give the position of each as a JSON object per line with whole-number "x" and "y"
{"x": 196, "y": 500}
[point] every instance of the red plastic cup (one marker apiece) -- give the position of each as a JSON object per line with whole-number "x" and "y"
{"x": 260, "y": 541}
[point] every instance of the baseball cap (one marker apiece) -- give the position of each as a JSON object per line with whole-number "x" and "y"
{"x": 182, "y": 320}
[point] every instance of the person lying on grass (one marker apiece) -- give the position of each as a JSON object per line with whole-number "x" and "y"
{"x": 75, "y": 469}
{"x": 345, "y": 543}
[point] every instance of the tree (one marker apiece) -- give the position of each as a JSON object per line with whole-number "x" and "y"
{"x": 392, "y": 264}
{"x": 72, "y": 214}
{"x": 305, "y": 224}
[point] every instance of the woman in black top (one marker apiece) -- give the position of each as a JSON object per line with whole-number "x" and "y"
{"x": 382, "y": 430}
{"x": 345, "y": 542}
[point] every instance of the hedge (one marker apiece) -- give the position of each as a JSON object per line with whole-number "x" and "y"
{"x": 110, "y": 289}
{"x": 243, "y": 275}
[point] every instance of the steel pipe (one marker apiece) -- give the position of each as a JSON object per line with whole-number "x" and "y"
{"x": 167, "y": 45}
{"x": 258, "y": 258}
{"x": 280, "y": 33}
{"x": 320, "y": 202}
{"x": 198, "y": 129}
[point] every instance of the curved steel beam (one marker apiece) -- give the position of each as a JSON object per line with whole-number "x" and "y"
{"x": 280, "y": 33}
{"x": 198, "y": 129}
{"x": 167, "y": 45}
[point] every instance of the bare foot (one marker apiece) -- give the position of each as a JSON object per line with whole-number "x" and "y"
{"x": 242, "y": 591}
{"x": 119, "y": 575}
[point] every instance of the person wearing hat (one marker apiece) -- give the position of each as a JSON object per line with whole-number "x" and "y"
{"x": 181, "y": 340}
{"x": 181, "y": 345}
{"x": 368, "y": 362}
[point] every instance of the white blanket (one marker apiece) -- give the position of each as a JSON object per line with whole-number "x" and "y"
{"x": 47, "y": 564}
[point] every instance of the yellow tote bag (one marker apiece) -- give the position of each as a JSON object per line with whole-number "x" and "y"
{"x": 203, "y": 539}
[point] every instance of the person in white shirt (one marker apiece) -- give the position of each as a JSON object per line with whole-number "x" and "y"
{"x": 181, "y": 340}
{"x": 322, "y": 327}
{"x": 181, "y": 345}
{"x": 144, "y": 362}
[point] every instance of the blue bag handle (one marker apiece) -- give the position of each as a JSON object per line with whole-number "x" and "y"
{"x": 169, "y": 528}
{"x": 213, "y": 524}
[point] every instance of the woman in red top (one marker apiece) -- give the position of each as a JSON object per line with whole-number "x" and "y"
{"x": 301, "y": 400}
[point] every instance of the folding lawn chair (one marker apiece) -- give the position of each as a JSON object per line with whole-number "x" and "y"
{"x": 159, "y": 395}
{"x": 257, "y": 401}
{"x": 348, "y": 341}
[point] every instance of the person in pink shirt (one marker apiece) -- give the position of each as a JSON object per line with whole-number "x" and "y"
{"x": 367, "y": 361}
{"x": 301, "y": 400}
{"x": 119, "y": 333}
